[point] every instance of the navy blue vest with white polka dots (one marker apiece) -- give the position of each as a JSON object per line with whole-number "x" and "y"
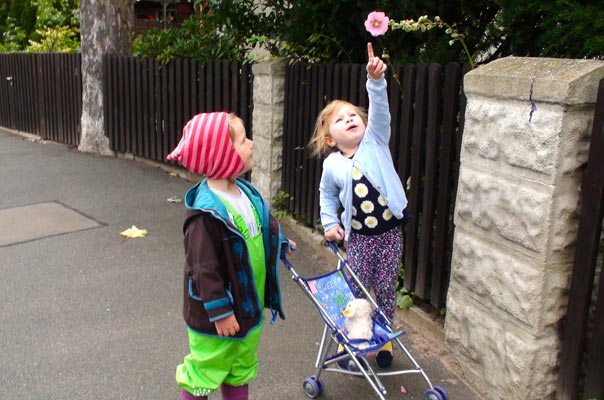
{"x": 370, "y": 213}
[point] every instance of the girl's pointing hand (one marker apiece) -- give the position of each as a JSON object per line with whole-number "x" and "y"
{"x": 375, "y": 66}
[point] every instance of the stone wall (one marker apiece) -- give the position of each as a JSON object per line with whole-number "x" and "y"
{"x": 526, "y": 136}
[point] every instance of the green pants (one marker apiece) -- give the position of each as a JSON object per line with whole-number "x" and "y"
{"x": 213, "y": 361}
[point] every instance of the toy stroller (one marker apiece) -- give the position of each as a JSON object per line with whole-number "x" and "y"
{"x": 330, "y": 293}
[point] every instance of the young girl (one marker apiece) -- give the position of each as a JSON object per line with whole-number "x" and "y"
{"x": 359, "y": 175}
{"x": 232, "y": 247}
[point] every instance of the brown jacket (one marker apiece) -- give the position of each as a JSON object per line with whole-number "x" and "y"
{"x": 218, "y": 278}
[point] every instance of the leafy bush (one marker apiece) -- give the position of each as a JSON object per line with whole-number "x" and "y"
{"x": 228, "y": 32}
{"x": 40, "y": 26}
{"x": 62, "y": 39}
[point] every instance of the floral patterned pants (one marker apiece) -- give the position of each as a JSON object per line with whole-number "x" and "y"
{"x": 375, "y": 260}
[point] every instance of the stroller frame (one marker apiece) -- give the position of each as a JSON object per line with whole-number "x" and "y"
{"x": 335, "y": 333}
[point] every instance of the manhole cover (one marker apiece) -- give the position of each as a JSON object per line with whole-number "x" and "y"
{"x": 36, "y": 221}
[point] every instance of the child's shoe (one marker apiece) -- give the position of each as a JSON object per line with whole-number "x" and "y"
{"x": 384, "y": 356}
{"x": 184, "y": 395}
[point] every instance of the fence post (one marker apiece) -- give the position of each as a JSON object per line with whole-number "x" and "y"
{"x": 526, "y": 137}
{"x": 267, "y": 122}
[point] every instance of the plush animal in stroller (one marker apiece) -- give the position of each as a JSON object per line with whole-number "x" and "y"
{"x": 358, "y": 322}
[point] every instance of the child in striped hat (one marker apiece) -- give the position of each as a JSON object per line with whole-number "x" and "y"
{"x": 232, "y": 247}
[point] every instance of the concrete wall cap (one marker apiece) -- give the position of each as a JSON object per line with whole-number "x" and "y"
{"x": 552, "y": 80}
{"x": 271, "y": 67}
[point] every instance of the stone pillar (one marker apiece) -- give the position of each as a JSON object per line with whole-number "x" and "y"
{"x": 267, "y": 121}
{"x": 526, "y": 137}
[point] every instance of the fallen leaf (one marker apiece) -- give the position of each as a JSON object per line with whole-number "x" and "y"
{"x": 134, "y": 232}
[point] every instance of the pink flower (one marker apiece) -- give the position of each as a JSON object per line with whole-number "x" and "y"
{"x": 377, "y": 23}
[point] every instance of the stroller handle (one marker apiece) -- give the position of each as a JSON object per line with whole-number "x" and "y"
{"x": 333, "y": 247}
{"x": 286, "y": 262}
{"x": 336, "y": 251}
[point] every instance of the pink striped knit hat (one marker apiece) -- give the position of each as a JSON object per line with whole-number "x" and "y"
{"x": 206, "y": 147}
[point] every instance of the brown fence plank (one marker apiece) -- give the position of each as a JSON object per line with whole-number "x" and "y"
{"x": 79, "y": 88}
{"x": 395, "y": 98}
{"x": 300, "y": 181}
{"x": 153, "y": 132}
{"x": 4, "y": 84}
{"x": 320, "y": 102}
{"x": 211, "y": 85}
{"x": 314, "y": 103}
{"x": 586, "y": 251}
{"x": 405, "y": 128}
{"x": 148, "y": 97}
{"x": 432, "y": 141}
{"x": 107, "y": 99}
{"x": 173, "y": 135}
{"x": 178, "y": 94}
{"x": 443, "y": 224}
{"x": 74, "y": 97}
{"x": 234, "y": 95}
{"x": 417, "y": 162}
{"x": 246, "y": 100}
{"x": 53, "y": 124}
{"x": 288, "y": 125}
{"x": 594, "y": 387}
{"x": 187, "y": 89}
{"x": 69, "y": 109}
{"x": 132, "y": 115}
{"x": 114, "y": 111}
{"x": 60, "y": 98}
{"x": 38, "y": 92}
{"x": 193, "y": 108}
{"x": 124, "y": 104}
{"x": 225, "y": 75}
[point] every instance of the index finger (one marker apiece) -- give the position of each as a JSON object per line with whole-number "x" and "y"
{"x": 370, "y": 51}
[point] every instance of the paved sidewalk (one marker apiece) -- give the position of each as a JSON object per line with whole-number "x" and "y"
{"x": 87, "y": 314}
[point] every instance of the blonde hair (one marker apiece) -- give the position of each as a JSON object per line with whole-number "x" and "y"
{"x": 232, "y": 117}
{"x": 318, "y": 143}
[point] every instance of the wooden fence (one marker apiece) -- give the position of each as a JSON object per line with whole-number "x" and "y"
{"x": 582, "y": 357}
{"x": 42, "y": 95}
{"x": 427, "y": 107}
{"x": 148, "y": 103}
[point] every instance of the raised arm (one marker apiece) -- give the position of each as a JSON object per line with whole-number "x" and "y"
{"x": 378, "y": 124}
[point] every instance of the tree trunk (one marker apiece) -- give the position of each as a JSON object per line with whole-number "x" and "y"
{"x": 105, "y": 27}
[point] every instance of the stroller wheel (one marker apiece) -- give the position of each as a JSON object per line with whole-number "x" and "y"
{"x": 432, "y": 394}
{"x": 312, "y": 387}
{"x": 442, "y": 392}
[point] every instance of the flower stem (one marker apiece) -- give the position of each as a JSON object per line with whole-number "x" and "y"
{"x": 465, "y": 47}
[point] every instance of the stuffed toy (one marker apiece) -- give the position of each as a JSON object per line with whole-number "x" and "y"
{"x": 358, "y": 322}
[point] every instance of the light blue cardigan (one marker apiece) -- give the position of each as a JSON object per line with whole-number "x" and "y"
{"x": 372, "y": 158}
